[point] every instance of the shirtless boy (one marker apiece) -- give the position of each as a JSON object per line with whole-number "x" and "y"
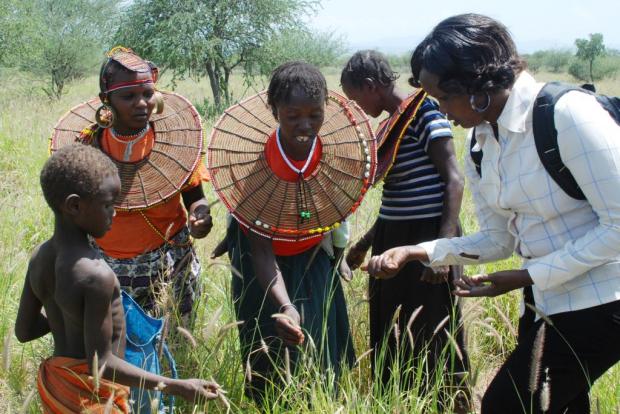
{"x": 71, "y": 292}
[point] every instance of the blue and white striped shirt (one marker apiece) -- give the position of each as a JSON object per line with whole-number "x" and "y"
{"x": 413, "y": 188}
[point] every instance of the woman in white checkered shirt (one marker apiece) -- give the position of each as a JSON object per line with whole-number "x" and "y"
{"x": 570, "y": 248}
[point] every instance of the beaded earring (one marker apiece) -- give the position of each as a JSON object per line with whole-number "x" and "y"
{"x": 104, "y": 116}
{"x": 159, "y": 103}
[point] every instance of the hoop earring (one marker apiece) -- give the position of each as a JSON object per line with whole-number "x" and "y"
{"x": 159, "y": 103}
{"x": 472, "y": 103}
{"x": 104, "y": 116}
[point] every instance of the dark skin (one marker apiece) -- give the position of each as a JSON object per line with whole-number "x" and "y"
{"x": 457, "y": 108}
{"x": 71, "y": 292}
{"x": 133, "y": 108}
{"x": 374, "y": 98}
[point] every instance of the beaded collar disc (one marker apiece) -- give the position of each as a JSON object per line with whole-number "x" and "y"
{"x": 268, "y": 205}
{"x": 177, "y": 150}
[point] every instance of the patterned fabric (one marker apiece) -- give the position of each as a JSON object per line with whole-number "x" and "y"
{"x": 143, "y": 276}
{"x": 66, "y": 387}
{"x": 413, "y": 188}
{"x": 571, "y": 248}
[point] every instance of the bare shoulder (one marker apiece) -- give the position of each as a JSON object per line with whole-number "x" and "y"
{"x": 94, "y": 277}
{"x": 42, "y": 254}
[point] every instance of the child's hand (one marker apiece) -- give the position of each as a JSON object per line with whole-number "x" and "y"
{"x": 435, "y": 275}
{"x": 220, "y": 249}
{"x": 288, "y": 328}
{"x": 491, "y": 285}
{"x": 194, "y": 390}
{"x": 355, "y": 256}
{"x": 200, "y": 221}
{"x": 344, "y": 271}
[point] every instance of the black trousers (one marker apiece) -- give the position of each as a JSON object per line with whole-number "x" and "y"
{"x": 577, "y": 349}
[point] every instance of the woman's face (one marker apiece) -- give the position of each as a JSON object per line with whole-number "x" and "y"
{"x": 456, "y": 106}
{"x": 301, "y": 116}
{"x": 133, "y": 105}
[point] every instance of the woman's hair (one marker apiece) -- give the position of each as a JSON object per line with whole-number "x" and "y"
{"x": 292, "y": 75}
{"x": 367, "y": 64}
{"x": 470, "y": 53}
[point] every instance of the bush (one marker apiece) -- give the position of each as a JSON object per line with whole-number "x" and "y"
{"x": 607, "y": 67}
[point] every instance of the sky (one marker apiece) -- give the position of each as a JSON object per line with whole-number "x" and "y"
{"x": 396, "y": 26}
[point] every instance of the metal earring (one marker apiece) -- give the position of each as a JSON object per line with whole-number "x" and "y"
{"x": 159, "y": 103}
{"x": 104, "y": 116}
{"x": 476, "y": 108}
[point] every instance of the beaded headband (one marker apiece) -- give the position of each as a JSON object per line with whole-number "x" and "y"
{"x": 130, "y": 61}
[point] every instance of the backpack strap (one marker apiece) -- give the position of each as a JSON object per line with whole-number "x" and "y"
{"x": 546, "y": 137}
{"x": 475, "y": 153}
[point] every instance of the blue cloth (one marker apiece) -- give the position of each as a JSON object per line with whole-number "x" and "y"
{"x": 142, "y": 350}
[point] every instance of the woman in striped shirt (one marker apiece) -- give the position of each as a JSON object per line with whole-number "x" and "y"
{"x": 422, "y": 191}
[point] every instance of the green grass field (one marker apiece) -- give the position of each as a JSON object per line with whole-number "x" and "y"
{"x": 26, "y": 119}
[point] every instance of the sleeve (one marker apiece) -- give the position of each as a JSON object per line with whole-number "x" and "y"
{"x": 589, "y": 144}
{"x": 492, "y": 242}
{"x": 199, "y": 175}
{"x": 431, "y": 124}
{"x": 340, "y": 236}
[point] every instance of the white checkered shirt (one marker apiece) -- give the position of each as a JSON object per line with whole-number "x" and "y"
{"x": 571, "y": 248}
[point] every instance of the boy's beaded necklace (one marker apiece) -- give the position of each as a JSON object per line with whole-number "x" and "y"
{"x": 129, "y": 140}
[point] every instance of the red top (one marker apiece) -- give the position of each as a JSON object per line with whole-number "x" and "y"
{"x": 130, "y": 234}
{"x": 278, "y": 165}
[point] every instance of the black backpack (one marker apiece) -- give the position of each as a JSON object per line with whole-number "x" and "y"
{"x": 546, "y": 136}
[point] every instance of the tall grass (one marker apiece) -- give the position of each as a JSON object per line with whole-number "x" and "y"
{"x": 26, "y": 119}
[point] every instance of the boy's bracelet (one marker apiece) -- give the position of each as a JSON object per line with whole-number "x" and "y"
{"x": 286, "y": 305}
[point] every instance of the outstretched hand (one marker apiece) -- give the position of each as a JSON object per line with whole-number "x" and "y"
{"x": 194, "y": 390}
{"x": 389, "y": 263}
{"x": 355, "y": 256}
{"x": 493, "y": 284}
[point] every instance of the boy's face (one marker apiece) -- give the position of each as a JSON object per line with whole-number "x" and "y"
{"x": 95, "y": 214}
{"x": 301, "y": 116}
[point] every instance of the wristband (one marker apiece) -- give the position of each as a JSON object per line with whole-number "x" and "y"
{"x": 287, "y": 304}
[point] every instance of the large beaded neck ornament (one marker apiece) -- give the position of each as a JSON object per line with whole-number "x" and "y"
{"x": 314, "y": 204}
{"x": 178, "y": 139}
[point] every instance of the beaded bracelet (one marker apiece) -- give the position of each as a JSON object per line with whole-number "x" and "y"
{"x": 287, "y": 304}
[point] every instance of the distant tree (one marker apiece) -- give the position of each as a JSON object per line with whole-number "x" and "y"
{"x": 212, "y": 37}
{"x": 63, "y": 40}
{"x": 589, "y": 49}
{"x": 10, "y": 31}
{"x": 319, "y": 49}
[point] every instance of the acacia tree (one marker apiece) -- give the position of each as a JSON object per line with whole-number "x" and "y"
{"x": 589, "y": 49}
{"x": 211, "y": 37}
{"x": 62, "y": 40}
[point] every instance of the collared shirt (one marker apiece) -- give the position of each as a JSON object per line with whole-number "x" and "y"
{"x": 571, "y": 248}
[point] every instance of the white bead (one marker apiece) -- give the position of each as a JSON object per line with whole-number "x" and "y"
{"x": 265, "y": 225}
{"x": 258, "y": 222}
{"x": 366, "y": 174}
{"x": 368, "y": 167}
